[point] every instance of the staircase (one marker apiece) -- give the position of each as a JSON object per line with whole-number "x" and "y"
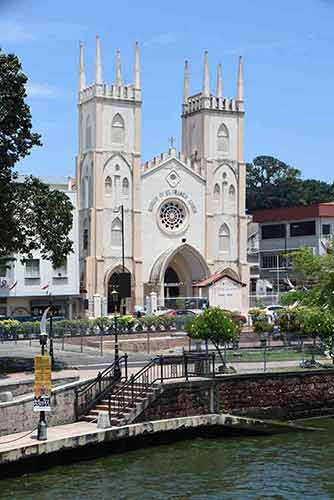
{"x": 135, "y": 400}
{"x": 125, "y": 400}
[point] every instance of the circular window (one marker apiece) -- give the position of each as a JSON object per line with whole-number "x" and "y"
{"x": 173, "y": 215}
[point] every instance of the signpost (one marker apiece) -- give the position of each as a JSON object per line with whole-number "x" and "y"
{"x": 43, "y": 385}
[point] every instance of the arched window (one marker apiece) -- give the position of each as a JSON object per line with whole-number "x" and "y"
{"x": 108, "y": 185}
{"x": 116, "y": 233}
{"x": 85, "y": 192}
{"x": 125, "y": 187}
{"x": 231, "y": 196}
{"x": 88, "y": 133}
{"x": 216, "y": 192}
{"x": 117, "y": 129}
{"x": 224, "y": 239}
{"x": 223, "y": 139}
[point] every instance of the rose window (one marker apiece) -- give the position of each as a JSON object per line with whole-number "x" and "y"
{"x": 172, "y": 215}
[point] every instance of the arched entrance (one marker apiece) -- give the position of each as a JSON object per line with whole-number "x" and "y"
{"x": 113, "y": 285}
{"x": 176, "y": 270}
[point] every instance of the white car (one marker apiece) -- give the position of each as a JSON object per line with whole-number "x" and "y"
{"x": 272, "y": 310}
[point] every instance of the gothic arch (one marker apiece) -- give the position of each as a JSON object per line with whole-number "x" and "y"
{"x": 88, "y": 133}
{"x": 116, "y": 233}
{"x": 224, "y": 238}
{"x": 223, "y": 139}
{"x": 117, "y": 129}
{"x": 216, "y": 192}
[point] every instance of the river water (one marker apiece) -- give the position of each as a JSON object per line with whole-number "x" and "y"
{"x": 293, "y": 466}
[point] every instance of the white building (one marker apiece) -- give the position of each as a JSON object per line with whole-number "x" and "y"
{"x": 184, "y": 213}
{"x": 27, "y": 288}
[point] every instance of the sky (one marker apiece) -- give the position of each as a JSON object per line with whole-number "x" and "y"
{"x": 287, "y": 46}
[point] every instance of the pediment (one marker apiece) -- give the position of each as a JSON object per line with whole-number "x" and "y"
{"x": 170, "y": 166}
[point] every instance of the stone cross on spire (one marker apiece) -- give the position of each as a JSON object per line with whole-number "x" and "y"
{"x": 171, "y": 141}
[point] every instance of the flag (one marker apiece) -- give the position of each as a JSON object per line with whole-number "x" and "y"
{"x": 45, "y": 287}
{"x": 13, "y": 285}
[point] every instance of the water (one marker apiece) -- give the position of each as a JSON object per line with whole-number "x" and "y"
{"x": 294, "y": 466}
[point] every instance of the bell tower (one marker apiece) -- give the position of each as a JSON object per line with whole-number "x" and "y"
{"x": 108, "y": 176}
{"x": 213, "y": 140}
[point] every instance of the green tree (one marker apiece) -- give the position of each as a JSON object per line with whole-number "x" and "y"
{"x": 272, "y": 183}
{"x": 31, "y": 215}
{"x": 214, "y": 325}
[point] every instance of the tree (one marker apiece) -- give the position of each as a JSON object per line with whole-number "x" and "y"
{"x": 31, "y": 215}
{"x": 272, "y": 183}
{"x": 214, "y": 325}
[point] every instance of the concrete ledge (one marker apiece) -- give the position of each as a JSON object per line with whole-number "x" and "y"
{"x": 77, "y": 441}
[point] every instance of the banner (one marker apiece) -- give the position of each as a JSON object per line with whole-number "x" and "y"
{"x": 43, "y": 383}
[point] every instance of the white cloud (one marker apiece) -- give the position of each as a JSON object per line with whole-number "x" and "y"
{"x": 162, "y": 39}
{"x": 42, "y": 90}
{"x": 13, "y": 32}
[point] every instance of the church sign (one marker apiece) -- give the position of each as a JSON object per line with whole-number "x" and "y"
{"x": 172, "y": 192}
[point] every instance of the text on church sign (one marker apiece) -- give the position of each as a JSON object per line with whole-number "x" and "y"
{"x": 173, "y": 192}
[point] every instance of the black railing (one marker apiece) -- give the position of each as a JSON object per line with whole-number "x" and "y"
{"x": 91, "y": 393}
{"x": 157, "y": 371}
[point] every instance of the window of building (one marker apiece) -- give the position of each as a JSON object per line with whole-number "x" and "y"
{"x": 116, "y": 233}
{"x": 32, "y": 268}
{"x": 223, "y": 139}
{"x": 85, "y": 239}
{"x": 125, "y": 187}
{"x": 306, "y": 228}
{"x": 271, "y": 261}
{"x": 231, "y": 196}
{"x": 326, "y": 229}
{"x": 108, "y": 185}
{"x": 273, "y": 231}
{"x": 224, "y": 239}
{"x": 88, "y": 133}
{"x": 118, "y": 129}
{"x": 216, "y": 192}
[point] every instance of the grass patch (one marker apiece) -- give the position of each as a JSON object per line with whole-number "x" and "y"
{"x": 275, "y": 355}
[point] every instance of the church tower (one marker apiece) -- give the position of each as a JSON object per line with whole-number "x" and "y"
{"x": 213, "y": 140}
{"x": 108, "y": 176}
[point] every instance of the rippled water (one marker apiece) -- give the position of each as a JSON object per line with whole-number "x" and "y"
{"x": 288, "y": 466}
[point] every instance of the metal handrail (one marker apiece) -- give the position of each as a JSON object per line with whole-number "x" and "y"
{"x": 159, "y": 369}
{"x": 90, "y": 393}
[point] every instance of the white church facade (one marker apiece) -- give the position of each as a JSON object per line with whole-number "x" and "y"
{"x": 184, "y": 213}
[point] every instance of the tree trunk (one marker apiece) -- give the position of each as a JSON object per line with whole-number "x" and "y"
{"x": 220, "y": 353}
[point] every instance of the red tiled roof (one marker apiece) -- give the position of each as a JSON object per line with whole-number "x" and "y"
{"x": 217, "y": 277}
{"x": 294, "y": 213}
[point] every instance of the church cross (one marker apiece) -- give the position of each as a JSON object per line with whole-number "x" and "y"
{"x": 171, "y": 142}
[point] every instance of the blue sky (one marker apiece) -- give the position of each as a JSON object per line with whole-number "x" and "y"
{"x": 288, "y": 48}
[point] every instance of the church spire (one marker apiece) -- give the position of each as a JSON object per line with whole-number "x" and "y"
{"x": 185, "y": 83}
{"x": 240, "y": 89}
{"x": 206, "y": 83}
{"x": 98, "y": 67}
{"x": 136, "y": 75}
{"x": 82, "y": 76}
{"x": 118, "y": 69}
{"x": 219, "y": 92}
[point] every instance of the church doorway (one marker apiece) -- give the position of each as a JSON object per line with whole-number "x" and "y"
{"x": 114, "y": 301}
{"x": 171, "y": 283}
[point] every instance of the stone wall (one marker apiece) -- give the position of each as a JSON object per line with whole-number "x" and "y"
{"x": 18, "y": 416}
{"x": 287, "y": 395}
{"x": 20, "y": 387}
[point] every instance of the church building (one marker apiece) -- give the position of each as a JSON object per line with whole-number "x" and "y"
{"x": 185, "y": 228}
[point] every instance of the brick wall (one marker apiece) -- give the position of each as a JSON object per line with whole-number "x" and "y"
{"x": 272, "y": 395}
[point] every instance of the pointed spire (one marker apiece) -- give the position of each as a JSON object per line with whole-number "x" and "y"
{"x": 98, "y": 66}
{"x": 82, "y": 76}
{"x": 118, "y": 69}
{"x": 136, "y": 75}
{"x": 240, "y": 90}
{"x": 219, "y": 92}
{"x": 185, "y": 83}
{"x": 206, "y": 83}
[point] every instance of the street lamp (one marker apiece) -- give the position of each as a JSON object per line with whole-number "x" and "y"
{"x": 117, "y": 370}
{"x": 117, "y": 209}
{"x": 42, "y": 429}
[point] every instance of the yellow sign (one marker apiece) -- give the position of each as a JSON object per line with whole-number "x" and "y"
{"x": 43, "y": 383}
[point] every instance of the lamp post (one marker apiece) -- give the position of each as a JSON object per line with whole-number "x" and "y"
{"x": 117, "y": 370}
{"x": 51, "y": 333}
{"x": 121, "y": 209}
